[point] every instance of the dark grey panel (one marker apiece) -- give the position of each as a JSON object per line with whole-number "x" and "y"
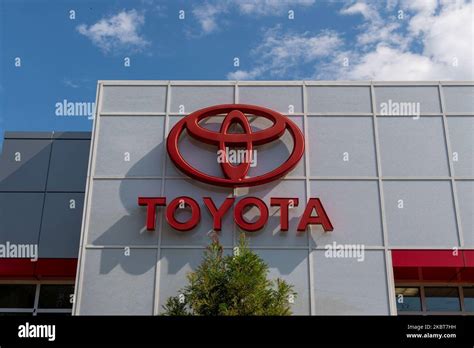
{"x": 24, "y": 164}
{"x": 339, "y": 99}
{"x": 116, "y": 284}
{"x": 61, "y": 227}
{"x": 461, "y": 137}
{"x": 345, "y": 286}
{"x": 134, "y": 99}
{"x": 427, "y": 96}
{"x": 68, "y": 166}
{"x": 28, "y": 135}
{"x": 20, "y": 217}
{"x": 72, "y": 135}
{"x": 465, "y": 191}
{"x": 459, "y": 98}
{"x": 427, "y": 217}
{"x": 411, "y": 147}
{"x": 283, "y": 99}
{"x": 341, "y": 146}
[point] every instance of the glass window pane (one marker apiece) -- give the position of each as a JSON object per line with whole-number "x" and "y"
{"x": 469, "y": 299}
{"x": 442, "y": 299}
{"x": 408, "y": 299}
{"x": 55, "y": 296}
{"x": 17, "y": 296}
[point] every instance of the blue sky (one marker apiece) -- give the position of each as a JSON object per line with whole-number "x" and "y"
{"x": 62, "y": 58}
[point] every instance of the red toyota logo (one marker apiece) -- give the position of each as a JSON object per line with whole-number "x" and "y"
{"x": 235, "y": 175}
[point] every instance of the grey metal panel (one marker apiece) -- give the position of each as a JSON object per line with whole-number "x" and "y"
{"x": 116, "y": 284}
{"x": 134, "y": 99}
{"x": 197, "y": 97}
{"x": 61, "y": 226}
{"x": 29, "y": 173}
{"x": 427, "y": 96}
{"x": 345, "y": 286}
{"x": 20, "y": 217}
{"x": 332, "y": 138}
{"x": 412, "y": 147}
{"x": 461, "y": 136}
{"x": 72, "y": 135}
{"x": 292, "y": 268}
{"x": 339, "y": 99}
{"x": 427, "y": 216}
{"x": 68, "y": 165}
{"x": 278, "y": 98}
{"x": 459, "y": 98}
{"x": 201, "y": 234}
{"x": 139, "y": 136}
{"x": 28, "y": 135}
{"x": 116, "y": 218}
{"x": 175, "y": 264}
{"x": 271, "y": 235}
{"x": 354, "y": 210}
{"x": 465, "y": 191}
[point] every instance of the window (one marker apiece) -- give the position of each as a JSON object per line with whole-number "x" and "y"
{"x": 440, "y": 299}
{"x": 469, "y": 299}
{"x": 17, "y": 296}
{"x": 408, "y": 299}
{"x": 36, "y": 298}
{"x": 431, "y": 299}
{"x": 56, "y": 296}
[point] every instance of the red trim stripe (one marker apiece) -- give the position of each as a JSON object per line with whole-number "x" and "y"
{"x": 43, "y": 268}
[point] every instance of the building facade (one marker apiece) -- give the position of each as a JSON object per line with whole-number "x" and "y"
{"x": 392, "y": 164}
{"x": 42, "y": 184}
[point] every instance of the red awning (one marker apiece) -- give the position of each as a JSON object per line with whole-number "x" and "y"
{"x": 433, "y": 265}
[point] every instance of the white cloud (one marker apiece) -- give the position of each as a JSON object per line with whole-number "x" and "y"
{"x": 281, "y": 52}
{"x": 445, "y": 35}
{"x": 385, "y": 63}
{"x": 69, "y": 83}
{"x": 209, "y": 14}
{"x": 434, "y": 41}
{"x": 241, "y": 75}
{"x": 118, "y": 32}
{"x": 270, "y": 7}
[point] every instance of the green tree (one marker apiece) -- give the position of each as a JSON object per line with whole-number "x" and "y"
{"x": 231, "y": 285}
